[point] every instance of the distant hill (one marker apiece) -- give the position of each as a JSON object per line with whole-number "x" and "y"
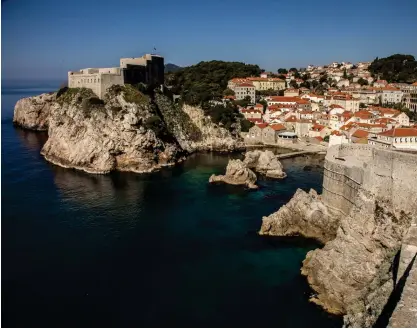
{"x": 395, "y": 68}
{"x": 172, "y": 68}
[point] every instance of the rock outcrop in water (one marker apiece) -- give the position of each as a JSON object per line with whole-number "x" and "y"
{"x": 33, "y": 112}
{"x": 126, "y": 131}
{"x": 237, "y": 173}
{"x": 265, "y": 162}
{"x": 305, "y": 215}
{"x": 368, "y": 203}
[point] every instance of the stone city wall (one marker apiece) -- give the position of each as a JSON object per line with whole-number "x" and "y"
{"x": 389, "y": 175}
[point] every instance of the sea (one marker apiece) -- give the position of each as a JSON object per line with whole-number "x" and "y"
{"x": 132, "y": 250}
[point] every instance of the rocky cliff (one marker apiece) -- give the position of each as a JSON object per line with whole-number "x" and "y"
{"x": 123, "y": 132}
{"x": 195, "y": 131}
{"x": 33, "y": 112}
{"x": 126, "y": 131}
{"x": 368, "y": 203}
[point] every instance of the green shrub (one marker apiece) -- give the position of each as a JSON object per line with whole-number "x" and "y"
{"x": 246, "y": 125}
{"x": 156, "y": 124}
{"x": 96, "y": 101}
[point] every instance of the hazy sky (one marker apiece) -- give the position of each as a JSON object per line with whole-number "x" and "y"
{"x": 43, "y": 39}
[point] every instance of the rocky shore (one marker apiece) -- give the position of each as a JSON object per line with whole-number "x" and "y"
{"x": 366, "y": 210}
{"x": 266, "y": 163}
{"x": 126, "y": 131}
{"x": 33, "y": 112}
{"x": 237, "y": 173}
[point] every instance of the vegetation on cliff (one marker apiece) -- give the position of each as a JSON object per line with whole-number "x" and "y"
{"x": 395, "y": 68}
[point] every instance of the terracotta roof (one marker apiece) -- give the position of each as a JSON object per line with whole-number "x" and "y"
{"x": 414, "y": 84}
{"x": 278, "y": 126}
{"x": 255, "y": 120}
{"x": 259, "y": 105}
{"x": 262, "y": 125}
{"x": 291, "y": 119}
{"x": 334, "y": 106}
{"x": 245, "y": 84}
{"x": 335, "y": 132}
{"x": 359, "y": 133}
{"x": 273, "y": 107}
{"x": 319, "y": 138}
{"x": 363, "y": 114}
{"x": 370, "y": 125}
{"x": 265, "y": 79}
{"x": 385, "y": 120}
{"x": 317, "y": 127}
{"x": 400, "y": 132}
{"x": 251, "y": 111}
{"x": 287, "y": 99}
{"x": 229, "y": 97}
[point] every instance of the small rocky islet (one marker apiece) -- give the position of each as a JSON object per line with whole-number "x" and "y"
{"x": 364, "y": 217}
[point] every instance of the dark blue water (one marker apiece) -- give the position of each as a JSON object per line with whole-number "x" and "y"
{"x": 163, "y": 249}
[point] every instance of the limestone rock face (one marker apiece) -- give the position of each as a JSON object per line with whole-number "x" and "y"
{"x": 265, "y": 162}
{"x": 305, "y": 215}
{"x": 195, "y": 131}
{"x": 236, "y": 174}
{"x": 98, "y": 137}
{"x": 366, "y": 209}
{"x": 33, "y": 112}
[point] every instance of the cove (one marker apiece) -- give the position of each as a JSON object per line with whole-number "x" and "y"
{"x": 161, "y": 249}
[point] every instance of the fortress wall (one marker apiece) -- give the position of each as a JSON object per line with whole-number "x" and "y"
{"x": 108, "y": 80}
{"x": 389, "y": 175}
{"x": 91, "y": 81}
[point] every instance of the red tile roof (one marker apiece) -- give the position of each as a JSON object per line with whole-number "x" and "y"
{"x": 317, "y": 127}
{"x": 385, "y": 120}
{"x": 291, "y": 119}
{"x": 245, "y": 84}
{"x": 278, "y": 127}
{"x": 334, "y": 106}
{"x": 262, "y": 125}
{"x": 363, "y": 114}
{"x": 359, "y": 133}
{"x": 400, "y": 132}
{"x": 287, "y": 99}
{"x": 255, "y": 120}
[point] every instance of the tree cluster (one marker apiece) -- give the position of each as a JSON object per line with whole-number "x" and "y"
{"x": 395, "y": 68}
{"x": 207, "y": 80}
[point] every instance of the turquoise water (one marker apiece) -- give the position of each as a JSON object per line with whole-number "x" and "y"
{"x": 129, "y": 250}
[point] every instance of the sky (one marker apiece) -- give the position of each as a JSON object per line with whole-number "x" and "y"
{"x": 44, "y": 39}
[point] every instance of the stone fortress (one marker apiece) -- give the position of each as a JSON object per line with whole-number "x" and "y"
{"x": 367, "y": 219}
{"x": 148, "y": 69}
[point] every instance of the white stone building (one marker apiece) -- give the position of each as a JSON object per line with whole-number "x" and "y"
{"x": 401, "y": 138}
{"x": 243, "y": 90}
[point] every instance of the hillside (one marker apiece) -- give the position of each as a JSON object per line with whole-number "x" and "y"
{"x": 395, "y": 68}
{"x": 172, "y": 68}
{"x": 207, "y": 80}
